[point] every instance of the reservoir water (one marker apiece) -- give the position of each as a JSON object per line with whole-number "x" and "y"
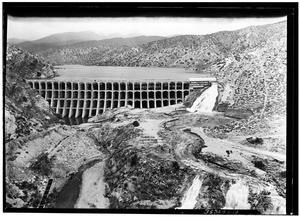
{"x": 112, "y": 73}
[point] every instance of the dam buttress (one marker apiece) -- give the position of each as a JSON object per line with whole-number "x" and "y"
{"x": 87, "y": 99}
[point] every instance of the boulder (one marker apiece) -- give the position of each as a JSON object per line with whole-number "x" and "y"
{"x": 226, "y": 96}
{"x": 238, "y": 113}
{"x": 136, "y": 124}
{"x": 10, "y": 124}
{"x": 222, "y": 107}
{"x": 259, "y": 164}
{"x": 255, "y": 140}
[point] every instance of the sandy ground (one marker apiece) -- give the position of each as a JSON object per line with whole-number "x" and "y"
{"x": 151, "y": 127}
{"x": 274, "y": 138}
{"x": 93, "y": 188}
{"x": 219, "y": 147}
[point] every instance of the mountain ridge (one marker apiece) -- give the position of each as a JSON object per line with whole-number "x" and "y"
{"x": 69, "y": 36}
{"x": 188, "y": 51}
{"x": 40, "y": 45}
{"x": 14, "y": 41}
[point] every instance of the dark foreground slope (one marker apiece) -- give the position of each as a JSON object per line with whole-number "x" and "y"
{"x": 32, "y": 130}
{"x": 25, "y": 109}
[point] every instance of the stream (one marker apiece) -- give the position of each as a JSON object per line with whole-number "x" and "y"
{"x": 190, "y": 198}
{"x": 237, "y": 197}
{"x": 70, "y": 192}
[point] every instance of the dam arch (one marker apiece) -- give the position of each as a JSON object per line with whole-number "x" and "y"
{"x": 86, "y": 99}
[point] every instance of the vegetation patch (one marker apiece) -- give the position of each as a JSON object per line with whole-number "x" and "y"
{"x": 260, "y": 201}
{"x": 212, "y": 192}
{"x": 134, "y": 176}
{"x": 43, "y": 164}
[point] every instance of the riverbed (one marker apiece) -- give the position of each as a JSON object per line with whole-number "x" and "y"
{"x": 70, "y": 192}
{"x": 93, "y": 188}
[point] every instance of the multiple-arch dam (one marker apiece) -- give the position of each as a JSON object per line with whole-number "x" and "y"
{"x": 87, "y": 99}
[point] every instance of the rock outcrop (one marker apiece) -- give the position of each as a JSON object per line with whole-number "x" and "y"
{"x": 27, "y": 65}
{"x": 27, "y": 119}
{"x": 238, "y": 113}
{"x": 25, "y": 110}
{"x": 257, "y": 79}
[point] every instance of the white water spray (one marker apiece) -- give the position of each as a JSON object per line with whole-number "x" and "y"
{"x": 207, "y": 100}
{"x": 190, "y": 198}
{"x": 237, "y": 197}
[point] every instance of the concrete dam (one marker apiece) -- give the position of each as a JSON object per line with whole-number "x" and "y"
{"x": 87, "y": 99}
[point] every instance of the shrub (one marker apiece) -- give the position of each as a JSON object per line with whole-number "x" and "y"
{"x": 282, "y": 174}
{"x": 134, "y": 160}
{"x": 43, "y": 164}
{"x": 175, "y": 166}
{"x": 259, "y": 164}
{"x": 260, "y": 201}
{"x": 136, "y": 124}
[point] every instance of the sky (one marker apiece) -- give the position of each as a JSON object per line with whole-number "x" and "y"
{"x": 36, "y": 28}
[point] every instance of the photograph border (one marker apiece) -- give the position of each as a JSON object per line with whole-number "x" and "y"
{"x": 209, "y": 10}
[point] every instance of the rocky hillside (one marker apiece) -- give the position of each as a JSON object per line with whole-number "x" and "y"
{"x": 256, "y": 78}
{"x": 181, "y": 51}
{"x": 32, "y": 129}
{"x": 252, "y": 75}
{"x": 27, "y": 65}
{"x": 25, "y": 110}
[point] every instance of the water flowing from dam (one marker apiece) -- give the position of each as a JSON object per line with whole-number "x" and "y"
{"x": 206, "y": 101}
{"x": 190, "y": 198}
{"x": 237, "y": 197}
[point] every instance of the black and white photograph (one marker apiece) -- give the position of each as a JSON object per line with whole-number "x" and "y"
{"x": 148, "y": 108}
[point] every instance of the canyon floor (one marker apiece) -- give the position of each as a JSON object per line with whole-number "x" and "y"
{"x": 164, "y": 158}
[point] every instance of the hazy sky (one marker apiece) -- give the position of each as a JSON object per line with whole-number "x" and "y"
{"x": 35, "y": 28}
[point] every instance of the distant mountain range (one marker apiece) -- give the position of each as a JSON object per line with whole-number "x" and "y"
{"x": 188, "y": 51}
{"x": 69, "y": 36}
{"x": 13, "y": 41}
{"x": 61, "y": 38}
{"x": 77, "y": 39}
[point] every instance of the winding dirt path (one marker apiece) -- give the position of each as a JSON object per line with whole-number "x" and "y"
{"x": 218, "y": 144}
{"x": 217, "y": 147}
